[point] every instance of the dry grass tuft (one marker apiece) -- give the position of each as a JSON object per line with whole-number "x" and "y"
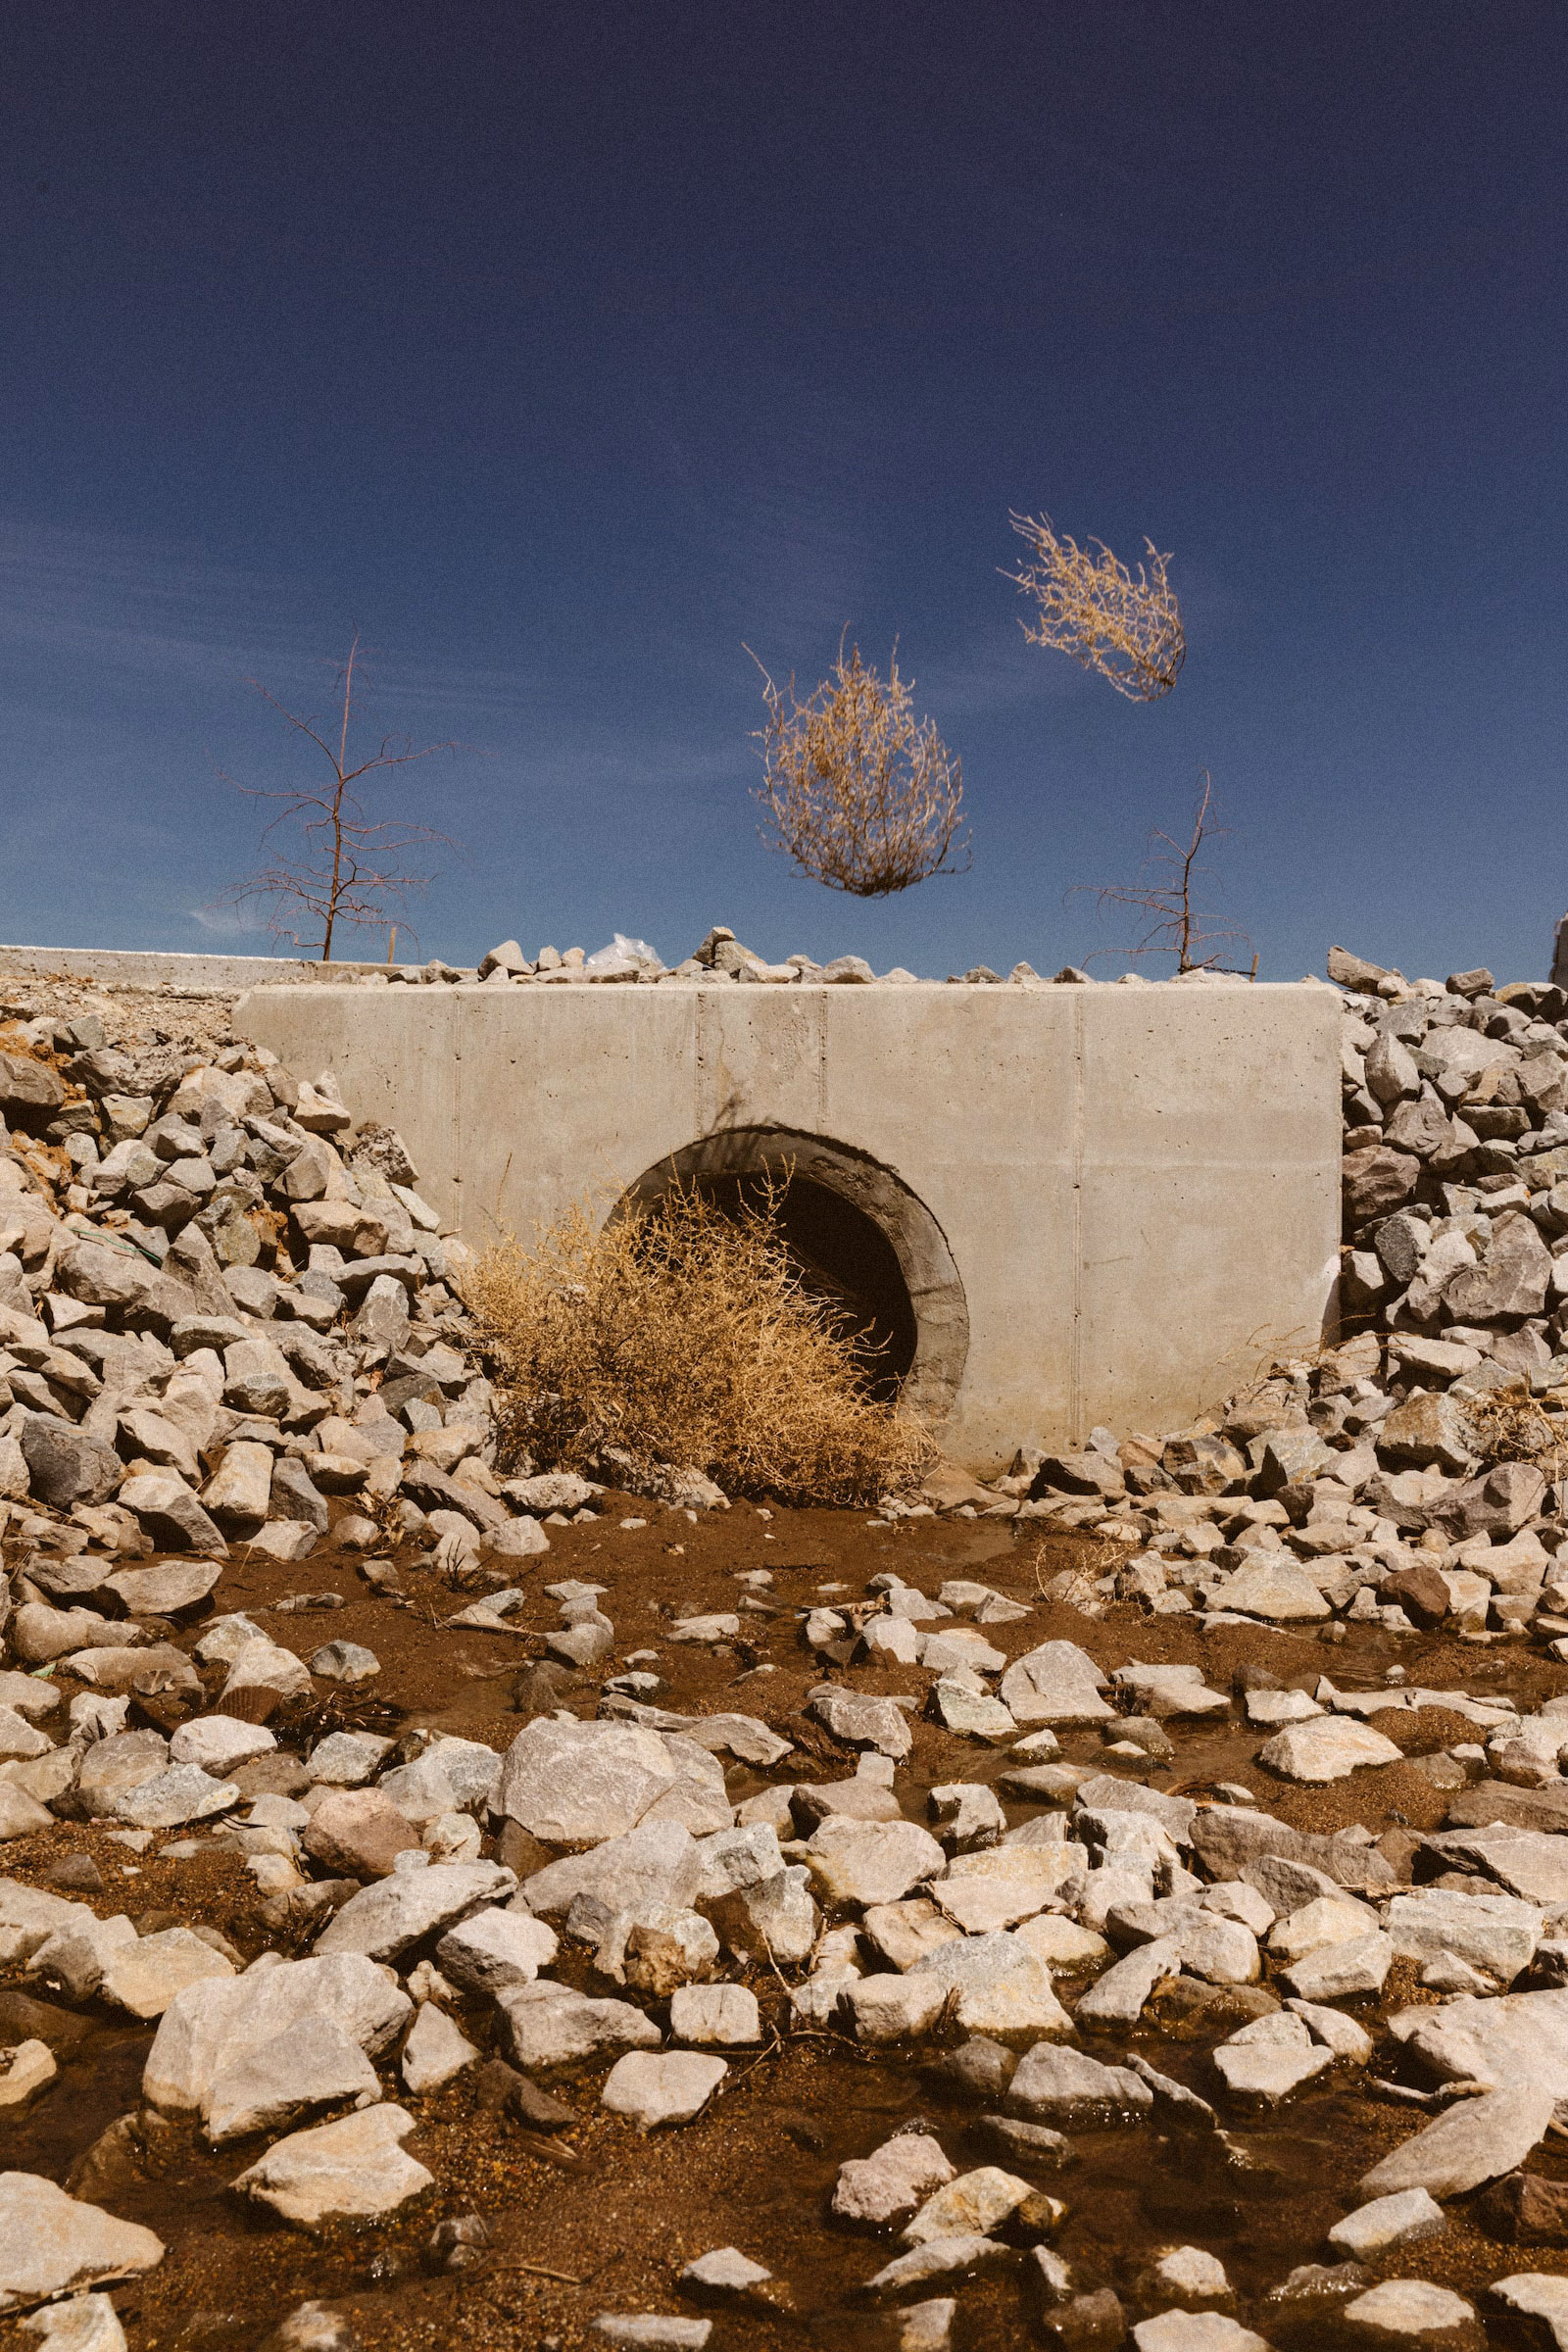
{"x": 683, "y": 1337}
{"x": 1128, "y": 626}
{"x": 861, "y": 794}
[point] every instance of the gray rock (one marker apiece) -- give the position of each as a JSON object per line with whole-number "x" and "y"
{"x": 672, "y": 2087}
{"x": 652, "y": 2331}
{"x": 209, "y": 2027}
{"x": 345, "y": 1662}
{"x": 144, "y": 1975}
{"x": 1336, "y": 1972}
{"x": 1531, "y": 1864}
{"x": 184, "y": 1792}
{"x": 866, "y": 1862}
{"x": 570, "y": 1782}
{"x": 167, "y": 1590}
{"x": 348, "y": 1759}
{"x": 1414, "y": 2312}
{"x": 550, "y": 2024}
{"x": 83, "y": 2323}
{"x": 1068, "y": 2089}
{"x": 660, "y": 1862}
{"x": 1512, "y": 1280}
{"x": 384, "y": 1920}
{"x": 1055, "y": 1683}
{"x": 1269, "y": 2059}
{"x": 1329, "y": 1748}
{"x": 862, "y": 1722}
{"x": 998, "y": 1985}
{"x": 295, "y": 1495}
{"x": 352, "y": 2170}
{"x": 1196, "y": 2332}
{"x": 1538, "y": 2295}
{"x": 939, "y": 2258}
{"x": 1517, "y": 2041}
{"x": 39, "y": 1634}
{"x": 1492, "y": 1932}
{"x": 1272, "y": 1586}
{"x": 52, "y": 2244}
{"x": 494, "y": 1950}
{"x": 239, "y": 1493}
{"x": 315, "y": 2062}
{"x": 723, "y": 2015}
{"x": 65, "y": 1465}
{"x": 1477, "y": 2140}
{"x": 1397, "y": 2220}
{"x": 171, "y": 1514}
{"x": 893, "y": 2008}
{"x": 888, "y": 2185}
{"x": 926, "y": 2327}
{"x": 725, "y": 2272}
{"x": 313, "y": 2326}
{"x": 435, "y": 2050}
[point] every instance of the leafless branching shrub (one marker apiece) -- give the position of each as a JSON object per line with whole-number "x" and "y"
{"x": 682, "y": 1336}
{"x": 1510, "y": 1425}
{"x": 346, "y": 867}
{"x": 1166, "y": 892}
{"x": 860, "y": 794}
{"x": 1126, "y": 625}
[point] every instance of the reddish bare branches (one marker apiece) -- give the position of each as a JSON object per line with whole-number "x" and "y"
{"x": 1166, "y": 891}
{"x": 346, "y": 869}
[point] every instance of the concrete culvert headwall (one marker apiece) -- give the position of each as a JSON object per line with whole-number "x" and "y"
{"x": 1103, "y": 1205}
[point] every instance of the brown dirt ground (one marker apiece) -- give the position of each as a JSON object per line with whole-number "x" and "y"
{"x": 615, "y": 2215}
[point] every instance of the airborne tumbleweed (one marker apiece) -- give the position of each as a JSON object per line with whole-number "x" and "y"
{"x": 1127, "y": 627}
{"x": 860, "y": 794}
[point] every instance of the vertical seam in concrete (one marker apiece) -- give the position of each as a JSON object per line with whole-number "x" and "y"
{"x": 699, "y": 1063}
{"x": 1075, "y": 1373}
{"x": 821, "y": 1062}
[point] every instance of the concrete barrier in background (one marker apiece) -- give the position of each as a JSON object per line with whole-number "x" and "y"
{"x": 1106, "y": 1204}
{"x": 194, "y": 975}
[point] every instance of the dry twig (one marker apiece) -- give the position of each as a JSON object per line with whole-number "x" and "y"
{"x": 1127, "y": 627}
{"x": 863, "y": 796}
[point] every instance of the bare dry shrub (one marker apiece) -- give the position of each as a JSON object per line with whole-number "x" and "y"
{"x": 683, "y": 1337}
{"x": 1128, "y": 626}
{"x": 1510, "y": 1425}
{"x": 861, "y": 794}
{"x": 1167, "y": 892}
{"x": 346, "y": 867}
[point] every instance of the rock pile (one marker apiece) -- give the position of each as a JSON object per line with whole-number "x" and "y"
{"x": 222, "y": 1317}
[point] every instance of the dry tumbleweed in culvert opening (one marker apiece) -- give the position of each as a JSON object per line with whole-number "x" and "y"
{"x": 684, "y": 1337}
{"x": 861, "y": 794}
{"x": 1127, "y": 627}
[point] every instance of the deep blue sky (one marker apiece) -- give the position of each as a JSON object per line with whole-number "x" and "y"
{"x": 564, "y": 349}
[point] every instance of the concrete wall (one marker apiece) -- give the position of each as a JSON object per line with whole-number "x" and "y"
{"x": 1138, "y": 1187}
